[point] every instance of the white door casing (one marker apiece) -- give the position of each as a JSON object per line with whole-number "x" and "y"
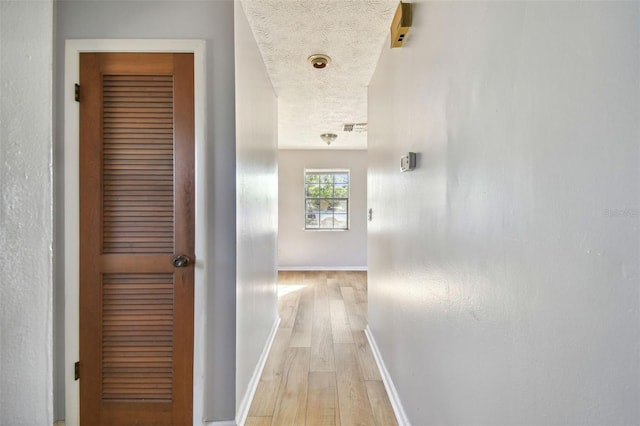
{"x": 71, "y": 207}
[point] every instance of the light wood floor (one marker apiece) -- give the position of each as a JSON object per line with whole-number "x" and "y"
{"x": 320, "y": 370}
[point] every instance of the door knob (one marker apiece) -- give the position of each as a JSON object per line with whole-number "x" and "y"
{"x": 181, "y": 261}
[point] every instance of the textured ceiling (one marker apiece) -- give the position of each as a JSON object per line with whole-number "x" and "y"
{"x": 312, "y": 101}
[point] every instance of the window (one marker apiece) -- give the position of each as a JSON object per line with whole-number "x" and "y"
{"x": 326, "y": 199}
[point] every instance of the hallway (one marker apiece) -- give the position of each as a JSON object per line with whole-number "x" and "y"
{"x": 321, "y": 370}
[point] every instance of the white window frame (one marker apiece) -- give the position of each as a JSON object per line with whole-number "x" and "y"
{"x": 348, "y": 198}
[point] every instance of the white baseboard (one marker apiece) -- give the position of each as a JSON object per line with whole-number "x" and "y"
{"x": 322, "y": 268}
{"x": 221, "y": 423}
{"x": 243, "y": 409}
{"x": 394, "y": 398}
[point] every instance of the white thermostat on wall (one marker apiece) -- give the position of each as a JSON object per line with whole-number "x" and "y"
{"x": 408, "y": 162}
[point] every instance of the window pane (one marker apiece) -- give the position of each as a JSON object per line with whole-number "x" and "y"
{"x": 326, "y": 220}
{"x": 326, "y": 178}
{"x": 325, "y": 205}
{"x": 312, "y": 190}
{"x": 340, "y": 221}
{"x": 341, "y": 191}
{"x": 311, "y": 220}
{"x": 311, "y": 178}
{"x": 340, "y": 206}
{"x": 313, "y": 205}
{"x": 326, "y": 190}
{"x": 341, "y": 178}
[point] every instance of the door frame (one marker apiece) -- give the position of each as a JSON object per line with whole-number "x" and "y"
{"x": 71, "y": 212}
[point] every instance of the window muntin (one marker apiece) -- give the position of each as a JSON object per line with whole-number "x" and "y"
{"x": 326, "y": 199}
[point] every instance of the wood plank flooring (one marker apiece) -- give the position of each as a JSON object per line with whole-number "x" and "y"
{"x": 321, "y": 371}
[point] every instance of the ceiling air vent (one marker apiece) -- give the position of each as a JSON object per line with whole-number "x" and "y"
{"x": 355, "y": 127}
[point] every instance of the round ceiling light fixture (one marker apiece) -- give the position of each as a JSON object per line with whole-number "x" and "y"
{"x": 319, "y": 61}
{"x": 328, "y": 137}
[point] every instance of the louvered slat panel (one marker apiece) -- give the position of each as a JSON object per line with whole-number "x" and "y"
{"x": 137, "y": 337}
{"x": 138, "y": 164}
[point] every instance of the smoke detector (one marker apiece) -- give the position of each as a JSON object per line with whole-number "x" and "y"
{"x": 319, "y": 61}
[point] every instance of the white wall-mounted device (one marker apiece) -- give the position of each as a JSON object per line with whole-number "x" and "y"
{"x": 408, "y": 162}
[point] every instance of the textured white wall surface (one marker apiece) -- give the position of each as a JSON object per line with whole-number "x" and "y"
{"x": 26, "y": 229}
{"x": 298, "y": 248}
{"x": 211, "y": 21}
{"x": 256, "y": 204}
{"x": 504, "y": 271}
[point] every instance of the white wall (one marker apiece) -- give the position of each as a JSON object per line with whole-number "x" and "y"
{"x": 504, "y": 271}
{"x": 211, "y": 21}
{"x": 26, "y": 227}
{"x": 256, "y": 206}
{"x": 300, "y": 249}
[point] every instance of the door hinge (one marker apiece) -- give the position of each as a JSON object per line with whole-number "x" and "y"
{"x": 76, "y": 370}
{"x": 77, "y": 92}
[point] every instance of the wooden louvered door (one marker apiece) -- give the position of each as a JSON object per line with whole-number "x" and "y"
{"x": 136, "y": 214}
